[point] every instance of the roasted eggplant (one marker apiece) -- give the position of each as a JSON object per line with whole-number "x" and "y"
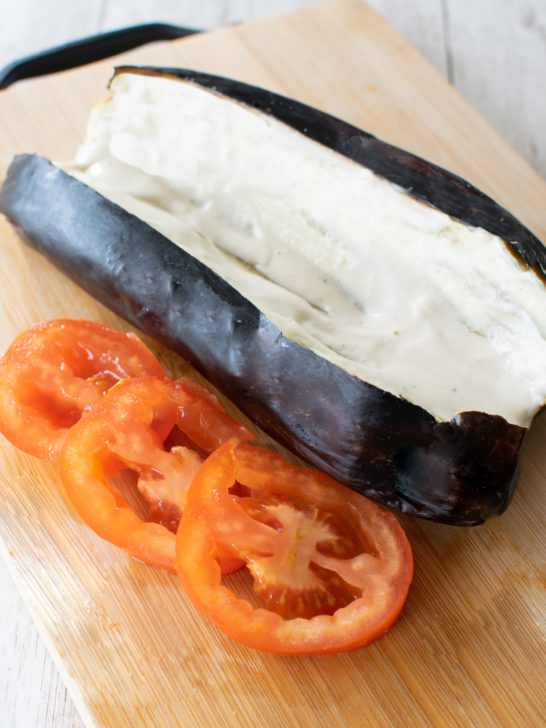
{"x": 377, "y": 315}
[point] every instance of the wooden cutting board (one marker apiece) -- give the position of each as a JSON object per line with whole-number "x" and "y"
{"x": 131, "y": 649}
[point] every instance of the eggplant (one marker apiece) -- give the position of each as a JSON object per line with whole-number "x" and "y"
{"x": 457, "y": 468}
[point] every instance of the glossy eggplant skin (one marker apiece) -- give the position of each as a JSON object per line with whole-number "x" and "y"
{"x": 460, "y": 472}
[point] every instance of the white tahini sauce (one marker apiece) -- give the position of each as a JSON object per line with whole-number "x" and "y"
{"x": 342, "y": 261}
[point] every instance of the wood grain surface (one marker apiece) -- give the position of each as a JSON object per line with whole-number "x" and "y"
{"x": 132, "y": 651}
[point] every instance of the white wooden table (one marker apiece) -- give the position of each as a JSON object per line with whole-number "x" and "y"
{"x": 492, "y": 51}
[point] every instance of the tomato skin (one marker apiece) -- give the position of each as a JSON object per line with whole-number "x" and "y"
{"x": 126, "y": 432}
{"x": 58, "y": 370}
{"x": 215, "y": 521}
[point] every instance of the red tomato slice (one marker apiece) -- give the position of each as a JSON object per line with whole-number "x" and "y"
{"x": 330, "y": 568}
{"x": 56, "y": 371}
{"x": 132, "y": 431}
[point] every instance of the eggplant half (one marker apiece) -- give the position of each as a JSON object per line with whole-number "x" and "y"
{"x": 377, "y": 315}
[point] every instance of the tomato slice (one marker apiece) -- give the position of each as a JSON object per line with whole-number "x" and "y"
{"x": 131, "y": 435}
{"x": 331, "y": 570}
{"x": 56, "y": 371}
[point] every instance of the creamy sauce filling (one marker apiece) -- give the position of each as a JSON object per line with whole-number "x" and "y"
{"x": 341, "y": 260}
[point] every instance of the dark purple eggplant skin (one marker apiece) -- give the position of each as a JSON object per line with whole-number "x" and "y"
{"x": 460, "y": 472}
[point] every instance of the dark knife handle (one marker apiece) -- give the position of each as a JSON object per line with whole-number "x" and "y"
{"x": 88, "y": 50}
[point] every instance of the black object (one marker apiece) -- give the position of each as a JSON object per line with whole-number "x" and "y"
{"x": 88, "y": 50}
{"x": 460, "y": 472}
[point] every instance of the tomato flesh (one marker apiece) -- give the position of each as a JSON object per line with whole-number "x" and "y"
{"x": 331, "y": 569}
{"x": 126, "y": 432}
{"x": 289, "y": 577}
{"x": 58, "y": 370}
{"x": 162, "y": 471}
